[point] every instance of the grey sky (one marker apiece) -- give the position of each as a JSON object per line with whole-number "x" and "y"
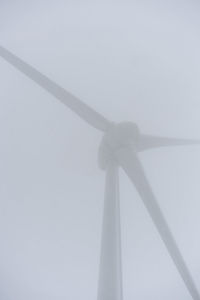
{"x": 136, "y": 61}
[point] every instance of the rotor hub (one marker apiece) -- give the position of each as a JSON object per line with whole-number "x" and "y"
{"x": 120, "y": 135}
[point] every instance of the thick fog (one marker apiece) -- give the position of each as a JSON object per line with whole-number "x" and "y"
{"x": 129, "y": 60}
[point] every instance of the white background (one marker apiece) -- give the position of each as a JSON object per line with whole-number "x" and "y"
{"x": 136, "y": 61}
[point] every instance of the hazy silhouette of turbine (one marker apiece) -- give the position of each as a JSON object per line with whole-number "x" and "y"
{"x": 119, "y": 147}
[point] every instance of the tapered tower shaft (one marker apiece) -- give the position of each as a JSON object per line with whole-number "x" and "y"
{"x": 110, "y": 272}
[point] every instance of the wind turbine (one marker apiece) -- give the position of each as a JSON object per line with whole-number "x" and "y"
{"x": 119, "y": 148}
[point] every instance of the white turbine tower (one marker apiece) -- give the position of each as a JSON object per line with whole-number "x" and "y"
{"x": 119, "y": 148}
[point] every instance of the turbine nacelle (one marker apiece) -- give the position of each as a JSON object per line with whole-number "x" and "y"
{"x": 118, "y": 136}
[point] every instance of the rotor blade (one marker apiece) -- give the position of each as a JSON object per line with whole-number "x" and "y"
{"x": 133, "y": 168}
{"x": 149, "y": 141}
{"x": 80, "y": 108}
{"x": 110, "y": 273}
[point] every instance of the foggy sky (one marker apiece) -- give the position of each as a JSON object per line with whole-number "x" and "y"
{"x": 129, "y": 60}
